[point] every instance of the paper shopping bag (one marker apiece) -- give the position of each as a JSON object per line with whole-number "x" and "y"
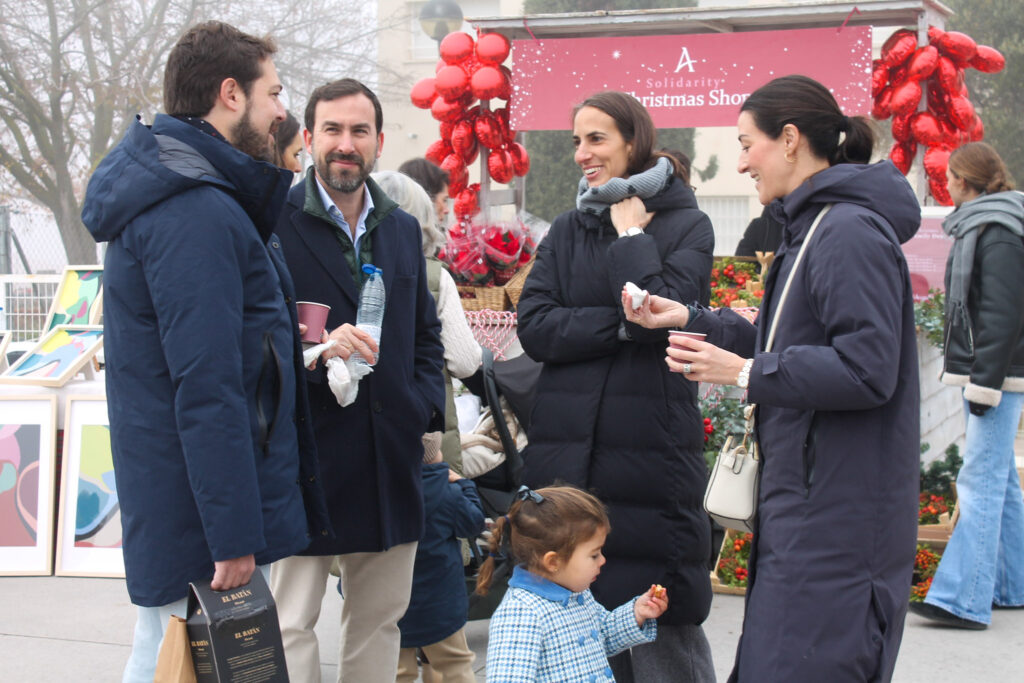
{"x": 174, "y": 663}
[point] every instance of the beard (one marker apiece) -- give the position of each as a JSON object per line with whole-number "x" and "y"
{"x": 259, "y": 146}
{"x": 346, "y": 181}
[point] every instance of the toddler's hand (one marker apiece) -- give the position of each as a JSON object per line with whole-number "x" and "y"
{"x": 650, "y": 605}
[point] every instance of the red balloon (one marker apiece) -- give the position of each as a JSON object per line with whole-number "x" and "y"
{"x": 470, "y": 154}
{"x": 923, "y": 63}
{"x": 488, "y": 132}
{"x": 462, "y": 136}
{"x": 440, "y": 65}
{"x": 898, "y": 75}
{"x": 451, "y": 83}
{"x": 959, "y": 47}
{"x": 455, "y": 167}
{"x": 935, "y": 34}
{"x": 905, "y": 98}
{"x": 466, "y": 204}
{"x": 950, "y": 133}
{"x": 499, "y": 165}
{"x": 520, "y": 159}
{"x": 505, "y": 91}
{"x": 486, "y": 83}
{"x": 447, "y": 128}
{"x": 935, "y": 161}
{"x": 442, "y": 110}
{"x": 423, "y": 93}
{"x": 879, "y": 77}
{"x": 881, "y": 109}
{"x": 456, "y": 47}
{"x": 901, "y": 157}
{"x": 492, "y": 48}
{"x": 901, "y": 128}
{"x": 977, "y": 130}
{"x": 961, "y": 112}
{"x": 925, "y": 128}
{"x": 438, "y": 150}
{"x": 988, "y": 59}
{"x": 940, "y": 191}
{"x": 938, "y": 101}
{"x": 949, "y": 75}
{"x": 899, "y": 47}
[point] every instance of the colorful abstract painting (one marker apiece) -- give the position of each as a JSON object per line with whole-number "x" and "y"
{"x": 90, "y": 517}
{"x": 78, "y": 299}
{"x": 27, "y": 429}
{"x": 57, "y": 356}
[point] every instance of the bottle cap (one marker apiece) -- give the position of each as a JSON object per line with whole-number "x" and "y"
{"x": 369, "y": 268}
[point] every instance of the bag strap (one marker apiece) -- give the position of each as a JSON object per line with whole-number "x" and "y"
{"x": 792, "y": 272}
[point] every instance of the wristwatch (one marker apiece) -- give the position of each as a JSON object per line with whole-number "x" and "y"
{"x": 743, "y": 379}
{"x": 634, "y": 230}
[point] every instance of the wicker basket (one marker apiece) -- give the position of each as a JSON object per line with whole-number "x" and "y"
{"x": 514, "y": 287}
{"x": 478, "y": 298}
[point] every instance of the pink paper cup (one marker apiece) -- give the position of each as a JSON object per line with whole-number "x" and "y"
{"x": 314, "y": 317}
{"x": 674, "y": 335}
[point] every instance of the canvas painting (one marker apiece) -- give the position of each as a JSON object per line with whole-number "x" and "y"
{"x": 79, "y": 298}
{"x": 89, "y": 528}
{"x": 57, "y": 357}
{"x": 27, "y": 462}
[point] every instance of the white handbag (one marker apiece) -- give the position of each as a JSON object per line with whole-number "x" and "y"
{"x": 731, "y": 496}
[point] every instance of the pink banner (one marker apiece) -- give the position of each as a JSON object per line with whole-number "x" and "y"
{"x": 927, "y": 251}
{"x": 685, "y": 81}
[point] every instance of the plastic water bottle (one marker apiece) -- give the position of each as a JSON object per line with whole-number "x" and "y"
{"x": 370, "y": 314}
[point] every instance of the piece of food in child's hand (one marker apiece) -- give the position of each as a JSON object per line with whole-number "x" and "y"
{"x": 659, "y": 590}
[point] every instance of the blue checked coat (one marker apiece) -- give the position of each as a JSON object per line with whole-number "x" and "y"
{"x": 543, "y": 633}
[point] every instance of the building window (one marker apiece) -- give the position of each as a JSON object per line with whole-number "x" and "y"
{"x": 730, "y": 217}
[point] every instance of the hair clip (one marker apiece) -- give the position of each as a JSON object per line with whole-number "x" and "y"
{"x": 525, "y": 492}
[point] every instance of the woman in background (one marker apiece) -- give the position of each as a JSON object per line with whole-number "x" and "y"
{"x": 432, "y": 179}
{"x": 983, "y": 564}
{"x": 288, "y": 145}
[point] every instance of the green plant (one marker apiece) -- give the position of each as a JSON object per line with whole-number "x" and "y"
{"x": 722, "y": 417}
{"x": 732, "y": 564}
{"x": 939, "y": 476}
{"x": 930, "y": 317}
{"x": 733, "y": 280}
{"x": 925, "y": 563}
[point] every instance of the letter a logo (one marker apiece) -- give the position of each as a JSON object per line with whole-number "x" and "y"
{"x": 685, "y": 61}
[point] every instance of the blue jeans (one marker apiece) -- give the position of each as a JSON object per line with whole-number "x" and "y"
{"x": 149, "y": 634}
{"x": 984, "y": 561}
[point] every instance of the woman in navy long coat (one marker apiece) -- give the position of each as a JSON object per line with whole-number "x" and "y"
{"x": 609, "y": 416}
{"x": 837, "y": 395}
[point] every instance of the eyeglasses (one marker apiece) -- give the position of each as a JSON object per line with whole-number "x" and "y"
{"x": 526, "y": 493}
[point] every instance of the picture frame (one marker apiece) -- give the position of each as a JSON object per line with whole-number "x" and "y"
{"x": 89, "y": 517}
{"x": 56, "y": 357}
{"x": 5, "y": 340}
{"x": 79, "y": 298}
{"x": 27, "y": 480}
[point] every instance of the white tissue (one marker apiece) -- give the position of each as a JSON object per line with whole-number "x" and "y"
{"x": 637, "y": 294}
{"x": 343, "y": 378}
{"x": 313, "y": 352}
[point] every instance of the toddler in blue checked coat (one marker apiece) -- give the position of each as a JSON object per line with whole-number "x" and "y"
{"x": 548, "y": 626}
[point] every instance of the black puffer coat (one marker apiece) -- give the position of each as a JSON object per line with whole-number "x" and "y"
{"x": 609, "y": 416}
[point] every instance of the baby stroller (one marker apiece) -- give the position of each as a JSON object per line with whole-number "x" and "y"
{"x": 512, "y": 382}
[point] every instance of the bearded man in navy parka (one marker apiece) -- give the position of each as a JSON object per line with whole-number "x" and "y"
{"x": 214, "y": 457}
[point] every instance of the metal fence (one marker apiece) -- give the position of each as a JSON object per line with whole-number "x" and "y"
{"x": 26, "y": 302}
{"x": 30, "y": 241}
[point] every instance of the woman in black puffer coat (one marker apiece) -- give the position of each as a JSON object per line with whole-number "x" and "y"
{"x": 609, "y": 416}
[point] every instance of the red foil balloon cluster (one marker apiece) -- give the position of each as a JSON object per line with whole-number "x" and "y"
{"x": 471, "y": 70}
{"x": 907, "y": 72}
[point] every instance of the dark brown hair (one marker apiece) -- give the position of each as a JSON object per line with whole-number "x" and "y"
{"x": 286, "y": 132}
{"x": 425, "y": 172}
{"x": 981, "y": 167}
{"x": 566, "y": 517}
{"x": 634, "y": 125}
{"x": 203, "y": 58}
{"x": 809, "y": 106}
{"x": 335, "y": 90}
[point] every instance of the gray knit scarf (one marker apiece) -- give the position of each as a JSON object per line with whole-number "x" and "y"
{"x": 645, "y": 185}
{"x": 1002, "y": 208}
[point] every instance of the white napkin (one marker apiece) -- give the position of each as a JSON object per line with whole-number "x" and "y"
{"x": 313, "y": 352}
{"x": 343, "y": 377}
{"x": 637, "y": 294}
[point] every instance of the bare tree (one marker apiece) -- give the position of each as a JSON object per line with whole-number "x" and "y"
{"x": 75, "y": 73}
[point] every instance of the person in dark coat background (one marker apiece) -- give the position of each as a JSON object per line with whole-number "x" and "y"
{"x": 763, "y": 234}
{"x": 608, "y": 415}
{"x": 213, "y": 451}
{"x": 837, "y": 396}
{"x": 983, "y": 564}
{"x": 370, "y": 451}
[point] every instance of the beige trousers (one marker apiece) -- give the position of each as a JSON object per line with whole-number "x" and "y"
{"x": 451, "y": 661}
{"x": 376, "y": 588}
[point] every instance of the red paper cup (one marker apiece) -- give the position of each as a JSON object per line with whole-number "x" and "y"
{"x": 314, "y": 317}
{"x": 673, "y": 335}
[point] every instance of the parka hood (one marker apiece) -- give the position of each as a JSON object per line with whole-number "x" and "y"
{"x": 878, "y": 187}
{"x": 154, "y": 163}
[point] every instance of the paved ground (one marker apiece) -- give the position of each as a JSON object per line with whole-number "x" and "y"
{"x": 79, "y": 630}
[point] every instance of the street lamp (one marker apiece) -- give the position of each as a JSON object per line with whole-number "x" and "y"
{"x": 440, "y": 17}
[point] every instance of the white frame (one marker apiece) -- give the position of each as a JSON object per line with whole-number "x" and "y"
{"x": 8, "y": 376}
{"x": 34, "y": 560}
{"x": 73, "y": 560}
